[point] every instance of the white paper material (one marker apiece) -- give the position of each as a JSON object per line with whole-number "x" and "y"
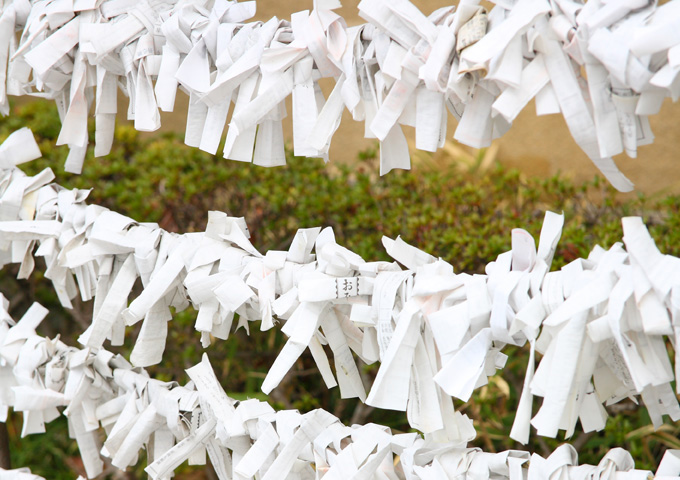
{"x": 401, "y": 68}
{"x": 610, "y": 312}
{"x": 257, "y": 441}
{"x": 599, "y": 324}
{"x": 137, "y": 417}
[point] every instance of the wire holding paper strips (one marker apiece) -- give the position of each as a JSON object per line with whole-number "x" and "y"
{"x": 600, "y": 325}
{"x": 401, "y": 68}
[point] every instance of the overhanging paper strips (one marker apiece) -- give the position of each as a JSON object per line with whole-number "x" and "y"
{"x": 175, "y": 423}
{"x": 601, "y": 324}
{"x": 401, "y": 68}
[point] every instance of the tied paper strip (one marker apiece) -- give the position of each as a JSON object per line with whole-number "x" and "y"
{"x": 400, "y": 68}
{"x": 601, "y": 324}
{"x": 115, "y": 411}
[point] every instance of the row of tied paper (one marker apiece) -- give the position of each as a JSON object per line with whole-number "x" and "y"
{"x": 602, "y": 324}
{"x": 606, "y": 66}
{"x": 115, "y": 410}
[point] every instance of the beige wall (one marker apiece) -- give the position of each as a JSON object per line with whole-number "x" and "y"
{"x": 544, "y": 145}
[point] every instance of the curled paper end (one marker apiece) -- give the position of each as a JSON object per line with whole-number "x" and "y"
{"x": 614, "y": 176}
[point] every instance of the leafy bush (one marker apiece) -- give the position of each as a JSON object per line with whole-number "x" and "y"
{"x": 455, "y": 212}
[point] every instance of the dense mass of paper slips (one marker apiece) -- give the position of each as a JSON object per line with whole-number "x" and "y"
{"x": 116, "y": 410}
{"x": 602, "y": 324}
{"x": 606, "y": 66}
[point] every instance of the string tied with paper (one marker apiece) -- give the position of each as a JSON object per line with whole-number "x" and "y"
{"x": 606, "y": 66}
{"x": 601, "y": 324}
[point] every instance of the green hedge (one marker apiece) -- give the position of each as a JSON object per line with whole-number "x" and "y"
{"x": 458, "y": 213}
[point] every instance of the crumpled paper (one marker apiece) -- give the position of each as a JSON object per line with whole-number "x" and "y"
{"x": 606, "y": 66}
{"x": 115, "y": 410}
{"x": 601, "y": 324}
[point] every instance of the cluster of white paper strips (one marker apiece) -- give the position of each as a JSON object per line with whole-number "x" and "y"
{"x": 242, "y": 439}
{"x": 401, "y": 68}
{"x": 600, "y": 323}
